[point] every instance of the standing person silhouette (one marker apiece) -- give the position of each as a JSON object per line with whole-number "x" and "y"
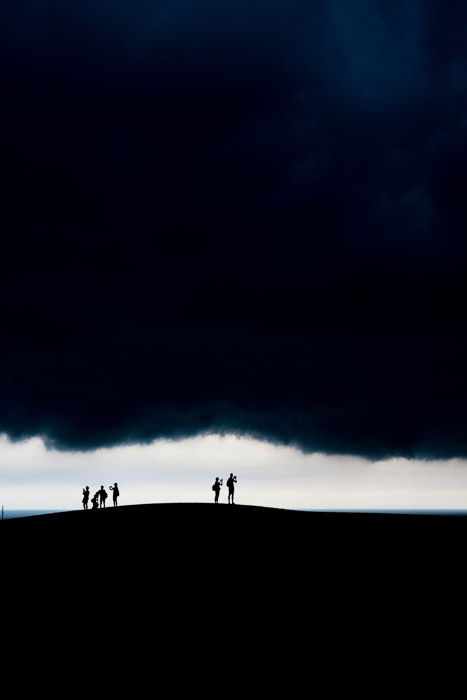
{"x": 216, "y": 487}
{"x": 85, "y": 497}
{"x": 102, "y": 497}
{"x": 116, "y": 493}
{"x": 230, "y": 483}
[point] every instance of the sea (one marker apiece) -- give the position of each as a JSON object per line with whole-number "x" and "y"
{"x": 395, "y": 511}
{"x": 9, "y": 514}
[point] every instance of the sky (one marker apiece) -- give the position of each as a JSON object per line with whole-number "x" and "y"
{"x": 238, "y": 218}
{"x": 170, "y": 471}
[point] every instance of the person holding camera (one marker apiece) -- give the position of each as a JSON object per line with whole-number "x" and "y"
{"x": 216, "y": 487}
{"x": 115, "y": 494}
{"x": 230, "y": 484}
{"x": 85, "y": 497}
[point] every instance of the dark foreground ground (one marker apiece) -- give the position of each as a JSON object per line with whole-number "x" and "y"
{"x": 236, "y": 549}
{"x": 209, "y": 594}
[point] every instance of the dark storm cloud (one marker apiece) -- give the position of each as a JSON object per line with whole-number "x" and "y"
{"x": 241, "y": 216}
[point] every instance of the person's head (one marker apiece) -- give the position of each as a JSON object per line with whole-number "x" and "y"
{"x": 231, "y": 474}
{"x": 102, "y": 486}
{"x": 115, "y": 484}
{"x": 217, "y": 478}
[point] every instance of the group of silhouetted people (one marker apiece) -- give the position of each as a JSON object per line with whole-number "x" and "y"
{"x": 100, "y": 497}
{"x": 216, "y": 487}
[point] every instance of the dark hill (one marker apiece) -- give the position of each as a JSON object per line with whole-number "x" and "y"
{"x": 181, "y": 590}
{"x": 228, "y": 540}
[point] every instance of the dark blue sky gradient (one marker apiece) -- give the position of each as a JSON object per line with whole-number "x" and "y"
{"x": 243, "y": 216}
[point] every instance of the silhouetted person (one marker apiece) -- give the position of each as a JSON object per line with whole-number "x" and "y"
{"x": 216, "y": 487}
{"x": 230, "y": 483}
{"x": 95, "y": 501}
{"x": 85, "y": 497}
{"x": 102, "y": 497}
{"x": 115, "y": 494}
